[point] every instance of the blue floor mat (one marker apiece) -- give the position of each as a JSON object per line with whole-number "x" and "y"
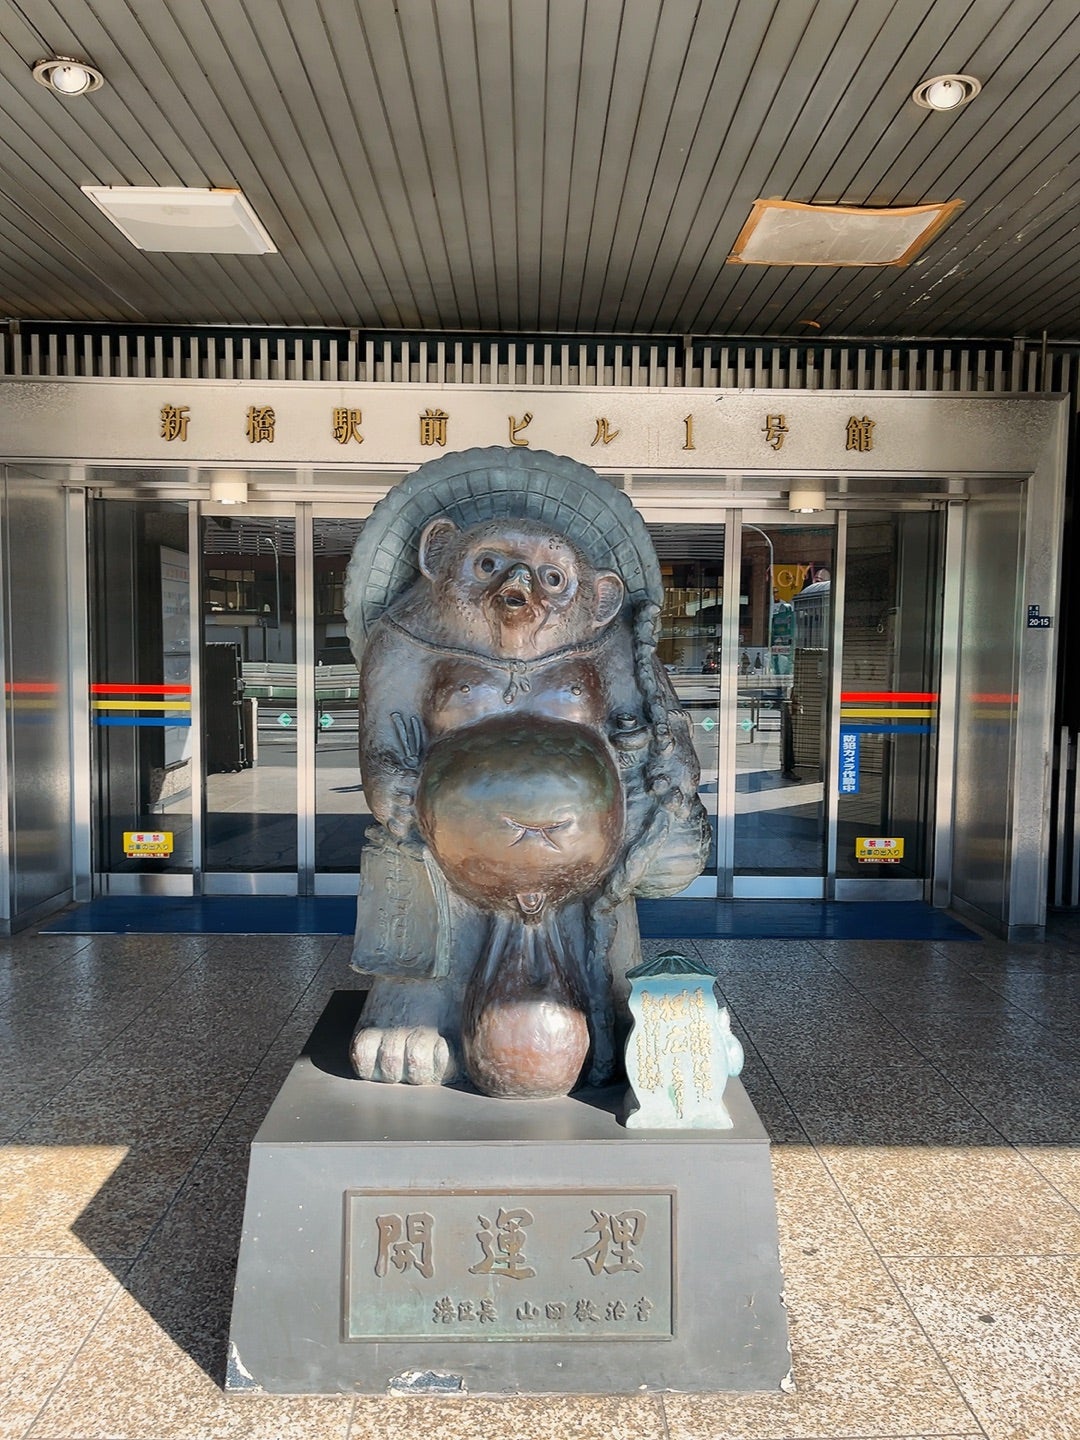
{"x": 797, "y": 919}
{"x": 659, "y": 919}
{"x": 208, "y": 915}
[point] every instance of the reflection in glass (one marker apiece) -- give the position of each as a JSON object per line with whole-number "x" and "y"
{"x": 783, "y": 693}
{"x": 692, "y": 565}
{"x": 250, "y": 712}
{"x": 341, "y": 814}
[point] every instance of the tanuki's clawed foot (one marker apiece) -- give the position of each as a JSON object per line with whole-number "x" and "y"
{"x": 402, "y": 1056}
{"x": 407, "y": 1033}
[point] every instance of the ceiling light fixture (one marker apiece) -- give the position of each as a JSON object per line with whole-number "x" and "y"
{"x": 805, "y": 497}
{"x": 946, "y": 92}
{"x": 228, "y": 487}
{"x": 183, "y": 219}
{"x": 68, "y": 77}
{"x": 788, "y": 232}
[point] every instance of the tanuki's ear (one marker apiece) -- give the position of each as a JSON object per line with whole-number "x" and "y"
{"x": 609, "y": 597}
{"x": 435, "y": 539}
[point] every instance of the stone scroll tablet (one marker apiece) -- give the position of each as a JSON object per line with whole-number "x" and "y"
{"x": 681, "y": 1050}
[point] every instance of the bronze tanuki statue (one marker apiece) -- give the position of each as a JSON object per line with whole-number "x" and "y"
{"x": 528, "y": 765}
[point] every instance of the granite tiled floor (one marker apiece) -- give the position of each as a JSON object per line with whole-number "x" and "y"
{"x": 923, "y": 1101}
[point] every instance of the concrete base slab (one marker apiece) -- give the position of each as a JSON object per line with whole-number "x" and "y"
{"x": 412, "y": 1240}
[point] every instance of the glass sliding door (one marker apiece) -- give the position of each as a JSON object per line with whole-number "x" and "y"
{"x": 892, "y": 611}
{"x": 813, "y": 709}
{"x": 691, "y": 641}
{"x": 783, "y": 676}
{"x": 140, "y": 694}
{"x": 252, "y": 719}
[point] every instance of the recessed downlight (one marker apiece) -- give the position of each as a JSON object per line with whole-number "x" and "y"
{"x": 946, "y": 92}
{"x": 68, "y": 77}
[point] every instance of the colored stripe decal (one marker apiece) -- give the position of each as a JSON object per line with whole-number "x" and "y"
{"x": 875, "y": 713}
{"x": 140, "y": 689}
{"x": 177, "y": 705}
{"x": 164, "y": 720}
{"x": 177, "y": 712}
{"x": 894, "y": 695}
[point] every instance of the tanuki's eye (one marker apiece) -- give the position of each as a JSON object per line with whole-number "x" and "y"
{"x": 553, "y": 579}
{"x": 487, "y": 564}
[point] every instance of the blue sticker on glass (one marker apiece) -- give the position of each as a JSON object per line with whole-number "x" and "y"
{"x": 849, "y": 762}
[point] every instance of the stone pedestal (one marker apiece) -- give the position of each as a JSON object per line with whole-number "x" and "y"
{"x": 432, "y": 1240}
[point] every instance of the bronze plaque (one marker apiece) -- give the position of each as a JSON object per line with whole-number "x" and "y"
{"x": 502, "y": 1265}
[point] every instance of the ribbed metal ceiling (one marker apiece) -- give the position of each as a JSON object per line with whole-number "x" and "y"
{"x": 570, "y": 166}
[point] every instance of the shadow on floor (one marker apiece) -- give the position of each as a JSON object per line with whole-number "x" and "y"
{"x": 910, "y": 1044}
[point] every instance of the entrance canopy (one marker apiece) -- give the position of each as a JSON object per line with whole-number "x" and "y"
{"x": 568, "y": 168}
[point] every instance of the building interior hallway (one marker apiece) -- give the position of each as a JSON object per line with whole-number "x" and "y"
{"x": 923, "y": 1099}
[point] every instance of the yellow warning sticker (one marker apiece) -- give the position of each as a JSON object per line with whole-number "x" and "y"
{"x": 878, "y": 849}
{"x": 148, "y": 842}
